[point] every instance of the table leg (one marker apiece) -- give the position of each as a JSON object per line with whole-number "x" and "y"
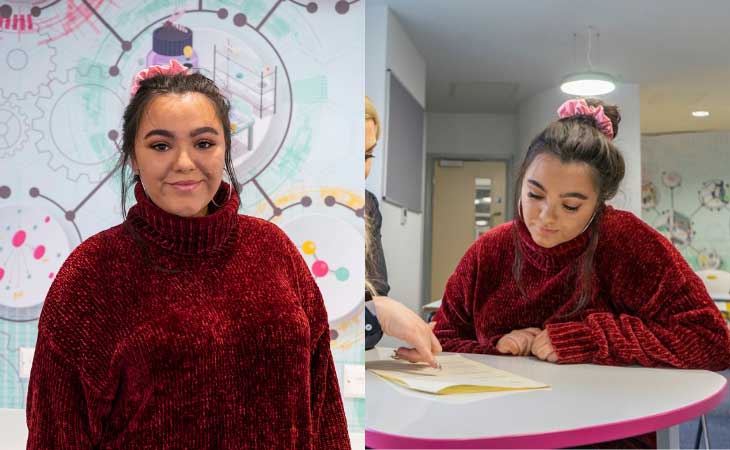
{"x": 668, "y": 437}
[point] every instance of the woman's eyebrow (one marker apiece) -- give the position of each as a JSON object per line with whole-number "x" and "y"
{"x": 202, "y": 130}
{"x": 574, "y": 194}
{"x": 160, "y": 132}
{"x": 540, "y": 186}
{"x": 569, "y": 194}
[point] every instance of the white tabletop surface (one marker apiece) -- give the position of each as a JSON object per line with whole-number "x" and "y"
{"x": 582, "y": 396}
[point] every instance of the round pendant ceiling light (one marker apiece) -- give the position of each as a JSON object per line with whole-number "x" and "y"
{"x": 586, "y": 84}
{"x": 589, "y": 83}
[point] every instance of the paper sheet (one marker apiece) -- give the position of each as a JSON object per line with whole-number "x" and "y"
{"x": 458, "y": 375}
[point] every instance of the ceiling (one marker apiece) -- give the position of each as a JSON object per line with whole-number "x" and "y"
{"x": 486, "y": 56}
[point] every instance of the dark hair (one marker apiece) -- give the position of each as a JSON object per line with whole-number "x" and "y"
{"x": 171, "y": 84}
{"x": 577, "y": 139}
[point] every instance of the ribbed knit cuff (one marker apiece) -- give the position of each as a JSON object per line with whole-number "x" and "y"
{"x": 573, "y": 342}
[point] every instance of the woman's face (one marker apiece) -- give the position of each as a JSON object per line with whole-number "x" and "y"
{"x": 370, "y": 141}
{"x": 179, "y": 153}
{"x": 558, "y": 200}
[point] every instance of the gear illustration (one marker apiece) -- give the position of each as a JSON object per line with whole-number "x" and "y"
{"x": 14, "y": 128}
{"x": 25, "y": 69}
{"x": 79, "y": 124}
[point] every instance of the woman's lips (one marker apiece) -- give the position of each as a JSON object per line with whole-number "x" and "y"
{"x": 544, "y": 230}
{"x": 185, "y": 185}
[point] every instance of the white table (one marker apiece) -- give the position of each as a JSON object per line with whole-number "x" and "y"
{"x": 13, "y": 430}
{"x": 586, "y": 404}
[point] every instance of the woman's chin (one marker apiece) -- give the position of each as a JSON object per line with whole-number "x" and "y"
{"x": 542, "y": 241}
{"x": 188, "y": 211}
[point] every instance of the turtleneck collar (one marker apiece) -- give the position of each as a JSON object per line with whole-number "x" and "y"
{"x": 187, "y": 235}
{"x": 551, "y": 259}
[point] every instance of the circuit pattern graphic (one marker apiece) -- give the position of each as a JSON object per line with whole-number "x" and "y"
{"x": 678, "y": 226}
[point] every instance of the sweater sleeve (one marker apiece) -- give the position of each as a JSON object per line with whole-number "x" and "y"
{"x": 329, "y": 424}
{"x": 376, "y": 271}
{"x": 455, "y": 327}
{"x": 663, "y": 313}
{"x": 56, "y": 406}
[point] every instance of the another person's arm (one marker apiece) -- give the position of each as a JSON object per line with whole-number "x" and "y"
{"x": 373, "y": 330}
{"x": 376, "y": 271}
{"x": 399, "y": 321}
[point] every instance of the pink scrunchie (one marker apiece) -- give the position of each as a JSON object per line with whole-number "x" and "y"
{"x": 579, "y": 107}
{"x": 173, "y": 68}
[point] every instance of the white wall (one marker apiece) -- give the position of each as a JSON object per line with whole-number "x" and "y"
{"x": 389, "y": 47}
{"x": 537, "y": 111}
{"x": 478, "y": 135}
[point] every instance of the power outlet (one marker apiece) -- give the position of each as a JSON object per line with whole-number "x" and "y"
{"x": 354, "y": 382}
{"x": 26, "y": 360}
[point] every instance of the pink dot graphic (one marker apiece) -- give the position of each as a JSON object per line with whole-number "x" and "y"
{"x": 39, "y": 252}
{"x": 47, "y": 219}
{"x": 19, "y": 238}
{"x": 50, "y": 275}
{"x": 320, "y": 268}
{"x": 2, "y": 273}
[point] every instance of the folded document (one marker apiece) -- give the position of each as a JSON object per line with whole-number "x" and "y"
{"x": 458, "y": 375}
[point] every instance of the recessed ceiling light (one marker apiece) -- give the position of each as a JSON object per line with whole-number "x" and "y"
{"x": 700, "y": 113}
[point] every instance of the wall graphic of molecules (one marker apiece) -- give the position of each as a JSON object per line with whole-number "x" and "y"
{"x": 329, "y": 236}
{"x": 678, "y": 226}
{"x": 33, "y": 246}
{"x": 320, "y": 268}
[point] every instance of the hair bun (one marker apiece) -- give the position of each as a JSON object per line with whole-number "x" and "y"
{"x": 611, "y": 111}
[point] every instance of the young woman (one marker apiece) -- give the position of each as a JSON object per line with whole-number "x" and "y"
{"x": 188, "y": 325}
{"x": 573, "y": 280}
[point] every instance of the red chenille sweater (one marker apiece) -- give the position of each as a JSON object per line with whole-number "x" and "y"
{"x": 647, "y": 308}
{"x": 187, "y": 333}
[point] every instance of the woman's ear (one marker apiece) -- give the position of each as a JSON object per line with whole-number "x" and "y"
{"x": 133, "y": 161}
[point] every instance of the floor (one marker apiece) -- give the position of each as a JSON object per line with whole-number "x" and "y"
{"x": 718, "y": 422}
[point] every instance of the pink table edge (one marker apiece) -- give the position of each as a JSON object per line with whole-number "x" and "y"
{"x": 557, "y": 439}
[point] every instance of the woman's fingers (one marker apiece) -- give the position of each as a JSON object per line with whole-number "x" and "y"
{"x": 508, "y": 345}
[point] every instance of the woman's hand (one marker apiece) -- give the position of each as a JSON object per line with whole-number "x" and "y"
{"x": 543, "y": 348}
{"x": 518, "y": 342}
{"x": 400, "y": 322}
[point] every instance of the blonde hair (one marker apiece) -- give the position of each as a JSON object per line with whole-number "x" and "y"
{"x": 372, "y": 114}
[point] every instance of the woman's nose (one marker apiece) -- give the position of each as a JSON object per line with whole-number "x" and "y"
{"x": 547, "y": 212}
{"x": 184, "y": 161}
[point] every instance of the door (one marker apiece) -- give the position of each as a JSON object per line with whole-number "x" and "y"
{"x": 468, "y": 199}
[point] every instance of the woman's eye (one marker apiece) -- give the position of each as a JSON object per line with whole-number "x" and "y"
{"x": 535, "y": 196}
{"x": 571, "y": 208}
{"x": 205, "y": 144}
{"x": 161, "y": 147}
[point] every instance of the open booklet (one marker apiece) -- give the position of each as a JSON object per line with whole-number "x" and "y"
{"x": 458, "y": 375}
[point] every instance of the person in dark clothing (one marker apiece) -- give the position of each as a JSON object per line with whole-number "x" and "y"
{"x": 383, "y": 315}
